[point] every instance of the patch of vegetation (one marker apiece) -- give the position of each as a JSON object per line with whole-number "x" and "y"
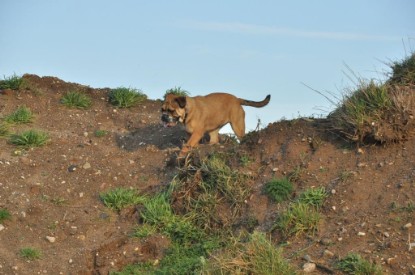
{"x": 177, "y": 91}
{"x": 126, "y": 97}
{"x": 4, "y": 130}
{"x": 4, "y": 215}
{"x": 403, "y": 72}
{"x": 76, "y": 100}
{"x": 120, "y": 198}
{"x": 313, "y": 196}
{"x": 101, "y": 133}
{"x": 29, "y": 139}
{"x": 30, "y": 254}
{"x": 144, "y": 230}
{"x": 20, "y": 116}
{"x": 279, "y": 189}
{"x": 297, "y": 219}
{"x": 378, "y": 112}
{"x": 256, "y": 256}
{"x": 12, "y": 82}
{"x": 354, "y": 264}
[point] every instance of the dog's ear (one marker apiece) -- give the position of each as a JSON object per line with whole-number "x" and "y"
{"x": 181, "y": 100}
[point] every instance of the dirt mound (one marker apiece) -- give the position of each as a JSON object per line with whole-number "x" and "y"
{"x": 53, "y": 191}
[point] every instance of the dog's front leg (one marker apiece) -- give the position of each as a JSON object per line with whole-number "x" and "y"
{"x": 192, "y": 142}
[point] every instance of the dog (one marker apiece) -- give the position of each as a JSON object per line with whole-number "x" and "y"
{"x": 207, "y": 114}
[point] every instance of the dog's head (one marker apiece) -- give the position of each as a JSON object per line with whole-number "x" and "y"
{"x": 173, "y": 110}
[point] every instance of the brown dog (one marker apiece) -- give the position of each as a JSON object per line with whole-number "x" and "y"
{"x": 207, "y": 114}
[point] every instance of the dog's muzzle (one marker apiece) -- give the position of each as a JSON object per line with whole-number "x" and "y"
{"x": 169, "y": 121}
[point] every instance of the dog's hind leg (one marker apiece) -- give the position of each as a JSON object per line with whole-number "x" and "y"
{"x": 214, "y": 136}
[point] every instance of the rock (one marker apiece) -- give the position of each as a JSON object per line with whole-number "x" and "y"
{"x": 2, "y": 227}
{"x": 325, "y": 241}
{"x": 309, "y": 267}
{"x": 386, "y": 234}
{"x": 72, "y": 168}
{"x": 307, "y": 258}
{"x": 328, "y": 253}
{"x": 361, "y": 234}
{"x": 87, "y": 165}
{"x": 407, "y": 226}
{"x": 51, "y": 239}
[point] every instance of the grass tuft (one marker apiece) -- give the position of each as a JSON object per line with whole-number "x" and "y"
{"x": 12, "y": 82}
{"x": 177, "y": 91}
{"x": 4, "y": 215}
{"x": 126, "y": 97}
{"x": 76, "y": 100}
{"x": 30, "y": 254}
{"x": 403, "y": 72}
{"x": 313, "y": 196}
{"x": 120, "y": 198}
{"x": 101, "y": 133}
{"x": 4, "y": 130}
{"x": 29, "y": 139}
{"x": 20, "y": 116}
{"x": 279, "y": 189}
{"x": 256, "y": 256}
{"x": 354, "y": 264}
{"x": 297, "y": 219}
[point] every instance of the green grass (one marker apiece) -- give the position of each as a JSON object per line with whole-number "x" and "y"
{"x": 144, "y": 230}
{"x": 354, "y": 264}
{"x": 256, "y": 256}
{"x": 101, "y": 133}
{"x": 12, "y": 82}
{"x": 76, "y": 100}
{"x": 299, "y": 218}
{"x": 279, "y": 189}
{"x": 120, "y": 198}
{"x": 126, "y": 97}
{"x": 29, "y": 139}
{"x": 4, "y": 130}
{"x": 4, "y": 215}
{"x": 403, "y": 72}
{"x": 30, "y": 254}
{"x": 313, "y": 196}
{"x": 177, "y": 91}
{"x": 20, "y": 116}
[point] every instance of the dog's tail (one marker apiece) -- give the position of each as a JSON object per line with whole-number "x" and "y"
{"x": 257, "y": 104}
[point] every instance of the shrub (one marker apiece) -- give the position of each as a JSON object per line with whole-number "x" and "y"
{"x": 279, "y": 189}
{"x": 120, "y": 198}
{"x": 20, "y": 116}
{"x": 126, "y": 97}
{"x": 354, "y": 264}
{"x": 29, "y": 139}
{"x": 76, "y": 100}
{"x": 12, "y": 82}
{"x": 403, "y": 72}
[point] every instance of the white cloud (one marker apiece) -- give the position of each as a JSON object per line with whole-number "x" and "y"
{"x": 253, "y": 29}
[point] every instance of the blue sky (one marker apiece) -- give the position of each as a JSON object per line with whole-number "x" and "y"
{"x": 247, "y": 48}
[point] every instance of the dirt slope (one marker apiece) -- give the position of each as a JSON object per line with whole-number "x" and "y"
{"x": 53, "y": 191}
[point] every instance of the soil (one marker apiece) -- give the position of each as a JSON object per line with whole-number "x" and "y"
{"x": 53, "y": 190}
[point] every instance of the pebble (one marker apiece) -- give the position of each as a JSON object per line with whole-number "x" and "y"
{"x": 361, "y": 234}
{"x": 2, "y": 227}
{"x": 87, "y": 165}
{"x": 407, "y": 226}
{"x": 309, "y": 267}
{"x": 328, "y": 253}
{"x": 51, "y": 239}
{"x": 386, "y": 234}
{"x": 72, "y": 168}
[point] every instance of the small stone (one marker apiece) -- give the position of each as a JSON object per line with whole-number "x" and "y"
{"x": 72, "y": 168}
{"x": 309, "y": 267}
{"x": 307, "y": 258}
{"x": 361, "y": 234}
{"x": 85, "y": 134}
{"x": 81, "y": 195}
{"x": 328, "y": 253}
{"x": 362, "y": 164}
{"x": 407, "y": 226}
{"x": 275, "y": 169}
{"x": 390, "y": 261}
{"x": 360, "y": 151}
{"x": 87, "y": 165}
{"x": 325, "y": 241}
{"x": 386, "y": 234}
{"x": 2, "y": 227}
{"x": 51, "y": 239}
{"x": 333, "y": 191}
{"x": 70, "y": 261}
